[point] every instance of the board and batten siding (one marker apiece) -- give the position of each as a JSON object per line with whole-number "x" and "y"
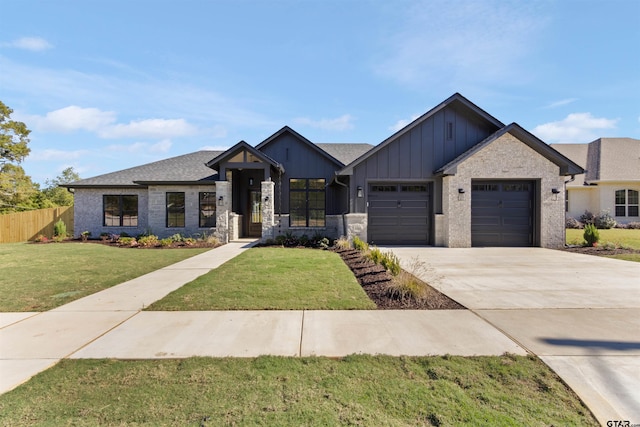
{"x": 415, "y": 153}
{"x": 301, "y": 160}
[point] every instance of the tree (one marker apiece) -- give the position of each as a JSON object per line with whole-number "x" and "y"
{"x": 17, "y": 191}
{"x": 14, "y": 137}
{"x": 57, "y": 195}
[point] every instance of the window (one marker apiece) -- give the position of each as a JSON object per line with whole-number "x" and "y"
{"x": 207, "y": 209}
{"x": 383, "y": 188}
{"x": 120, "y": 211}
{"x": 627, "y": 203}
{"x": 175, "y": 210}
{"x": 484, "y": 187}
{"x": 306, "y": 202}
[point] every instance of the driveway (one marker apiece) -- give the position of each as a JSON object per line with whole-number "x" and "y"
{"x": 579, "y": 313}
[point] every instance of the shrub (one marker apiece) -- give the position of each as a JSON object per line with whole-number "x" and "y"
{"x": 212, "y": 240}
{"x": 342, "y": 243}
{"x": 176, "y": 238}
{"x": 375, "y": 255}
{"x": 189, "y": 241}
{"x": 591, "y": 235}
{"x": 148, "y": 241}
{"x": 391, "y": 262}
{"x": 633, "y": 225}
{"x": 166, "y": 242}
{"x": 127, "y": 241}
{"x": 323, "y": 243}
{"x": 41, "y": 238}
{"x": 573, "y": 223}
{"x": 605, "y": 221}
{"x": 407, "y": 286}
{"x": 60, "y": 229}
{"x": 303, "y": 240}
{"x": 360, "y": 245}
{"x": 587, "y": 218}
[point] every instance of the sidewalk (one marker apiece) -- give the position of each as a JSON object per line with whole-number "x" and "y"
{"x": 111, "y": 324}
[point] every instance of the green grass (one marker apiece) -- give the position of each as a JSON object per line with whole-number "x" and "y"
{"x": 39, "y": 277}
{"x": 357, "y": 390}
{"x": 617, "y": 236}
{"x": 273, "y": 279}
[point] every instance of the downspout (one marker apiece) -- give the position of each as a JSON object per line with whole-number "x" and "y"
{"x": 344, "y": 220}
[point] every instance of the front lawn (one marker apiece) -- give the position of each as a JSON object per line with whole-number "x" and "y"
{"x": 356, "y": 390}
{"x": 39, "y": 277}
{"x": 623, "y": 237}
{"x": 615, "y": 237}
{"x": 273, "y": 278}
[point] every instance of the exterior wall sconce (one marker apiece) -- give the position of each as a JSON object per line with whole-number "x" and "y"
{"x": 266, "y": 199}
{"x": 555, "y": 193}
{"x": 220, "y": 201}
{"x": 461, "y": 193}
{"x": 359, "y": 192}
{"x": 250, "y": 182}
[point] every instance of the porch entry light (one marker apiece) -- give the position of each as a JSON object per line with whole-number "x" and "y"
{"x": 555, "y": 193}
{"x": 461, "y": 192}
{"x": 220, "y": 200}
{"x": 250, "y": 182}
{"x": 359, "y": 192}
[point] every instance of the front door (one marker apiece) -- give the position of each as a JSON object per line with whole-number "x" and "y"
{"x": 254, "y": 228}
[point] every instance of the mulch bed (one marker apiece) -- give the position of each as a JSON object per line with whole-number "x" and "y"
{"x": 375, "y": 281}
{"x": 600, "y": 250}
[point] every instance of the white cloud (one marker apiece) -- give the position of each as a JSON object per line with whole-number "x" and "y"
{"x": 149, "y": 128}
{"x": 103, "y": 123}
{"x": 51, "y": 155}
{"x": 403, "y": 122}
{"x": 341, "y": 123}
{"x": 561, "y": 103}
{"x": 142, "y": 147}
{"x": 35, "y": 44}
{"x": 575, "y": 128}
{"x": 73, "y": 118}
{"x": 444, "y": 43}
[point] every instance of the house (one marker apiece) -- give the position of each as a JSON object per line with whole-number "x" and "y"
{"x": 611, "y": 182}
{"x": 456, "y": 177}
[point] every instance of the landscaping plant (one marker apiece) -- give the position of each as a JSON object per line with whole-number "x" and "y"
{"x": 591, "y": 234}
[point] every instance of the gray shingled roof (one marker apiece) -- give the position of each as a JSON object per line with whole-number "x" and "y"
{"x": 605, "y": 159}
{"x": 344, "y": 152}
{"x": 188, "y": 167}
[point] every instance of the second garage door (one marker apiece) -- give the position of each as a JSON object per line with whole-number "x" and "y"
{"x": 399, "y": 214}
{"x": 502, "y": 213}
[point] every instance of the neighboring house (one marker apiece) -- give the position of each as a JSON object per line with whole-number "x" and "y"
{"x": 455, "y": 177}
{"x": 611, "y": 182}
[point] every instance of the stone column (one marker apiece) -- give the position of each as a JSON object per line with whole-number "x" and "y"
{"x": 268, "y": 210}
{"x": 223, "y": 207}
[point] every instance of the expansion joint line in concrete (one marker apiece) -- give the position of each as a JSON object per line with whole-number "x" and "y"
{"x": 503, "y": 332}
{"x": 301, "y": 334}
{"x": 135, "y": 313}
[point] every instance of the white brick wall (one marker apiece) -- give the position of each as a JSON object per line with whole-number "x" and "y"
{"x": 505, "y": 158}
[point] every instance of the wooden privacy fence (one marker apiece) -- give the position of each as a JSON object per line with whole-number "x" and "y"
{"x": 23, "y": 226}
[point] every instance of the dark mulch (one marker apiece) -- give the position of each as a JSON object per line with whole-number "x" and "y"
{"x": 375, "y": 281}
{"x": 174, "y": 245}
{"x": 600, "y": 250}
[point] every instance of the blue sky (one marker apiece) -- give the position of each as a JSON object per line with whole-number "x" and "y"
{"x": 109, "y": 85}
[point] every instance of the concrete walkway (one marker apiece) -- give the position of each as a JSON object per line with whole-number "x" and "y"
{"x": 579, "y": 313}
{"x": 111, "y": 324}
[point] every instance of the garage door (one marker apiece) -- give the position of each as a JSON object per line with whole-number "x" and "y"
{"x": 502, "y": 213}
{"x": 398, "y": 214}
